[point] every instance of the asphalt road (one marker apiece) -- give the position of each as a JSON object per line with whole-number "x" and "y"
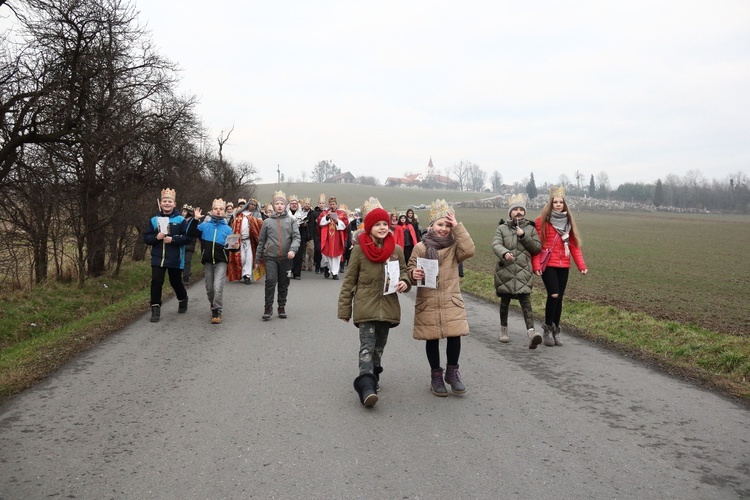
{"x": 184, "y": 409}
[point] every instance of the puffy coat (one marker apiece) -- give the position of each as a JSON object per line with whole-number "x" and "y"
{"x": 439, "y": 312}
{"x": 513, "y": 277}
{"x": 558, "y": 258}
{"x": 278, "y": 236}
{"x": 363, "y": 287}
{"x": 213, "y": 234}
{"x": 172, "y": 254}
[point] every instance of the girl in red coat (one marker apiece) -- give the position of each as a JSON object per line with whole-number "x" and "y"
{"x": 559, "y": 234}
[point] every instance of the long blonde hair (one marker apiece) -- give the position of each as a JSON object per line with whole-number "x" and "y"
{"x": 575, "y": 236}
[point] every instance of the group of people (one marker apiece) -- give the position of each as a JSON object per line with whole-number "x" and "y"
{"x": 383, "y": 259}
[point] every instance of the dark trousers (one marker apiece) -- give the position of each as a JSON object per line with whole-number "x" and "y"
{"x": 317, "y": 256}
{"x": 157, "y": 282}
{"x": 555, "y": 281}
{"x": 299, "y": 257}
{"x": 525, "y": 300}
{"x": 276, "y": 274}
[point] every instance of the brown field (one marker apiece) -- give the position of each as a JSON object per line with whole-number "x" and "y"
{"x": 685, "y": 268}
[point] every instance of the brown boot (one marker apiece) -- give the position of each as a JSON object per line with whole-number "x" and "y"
{"x": 267, "y": 312}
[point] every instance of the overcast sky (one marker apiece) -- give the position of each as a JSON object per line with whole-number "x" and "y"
{"x": 637, "y": 89}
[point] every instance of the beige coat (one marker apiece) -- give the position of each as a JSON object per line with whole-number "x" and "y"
{"x": 439, "y": 312}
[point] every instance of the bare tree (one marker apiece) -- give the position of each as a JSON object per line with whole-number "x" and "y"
{"x": 461, "y": 172}
{"x": 324, "y": 170}
{"x": 477, "y": 178}
{"x": 602, "y": 181}
{"x": 564, "y": 180}
{"x": 579, "y": 179}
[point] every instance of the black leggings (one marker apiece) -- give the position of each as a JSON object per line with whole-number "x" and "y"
{"x": 555, "y": 280}
{"x": 452, "y": 351}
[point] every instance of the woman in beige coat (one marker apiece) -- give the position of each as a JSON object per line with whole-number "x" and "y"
{"x": 439, "y": 312}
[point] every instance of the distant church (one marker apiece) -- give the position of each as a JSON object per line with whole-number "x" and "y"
{"x": 429, "y": 180}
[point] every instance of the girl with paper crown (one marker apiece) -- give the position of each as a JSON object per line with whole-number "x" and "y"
{"x": 559, "y": 233}
{"x": 377, "y": 270}
{"x": 439, "y": 312}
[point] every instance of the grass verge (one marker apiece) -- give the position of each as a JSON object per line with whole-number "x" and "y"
{"x": 44, "y": 329}
{"x": 711, "y": 359}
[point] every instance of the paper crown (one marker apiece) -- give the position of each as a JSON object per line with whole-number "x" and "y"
{"x": 279, "y": 195}
{"x": 293, "y": 197}
{"x": 370, "y": 204}
{"x": 332, "y": 199}
{"x": 218, "y": 202}
{"x": 187, "y": 207}
{"x": 305, "y": 201}
{"x": 344, "y": 208}
{"x": 557, "y": 192}
{"x": 517, "y": 200}
{"x": 439, "y": 209}
{"x": 242, "y": 201}
{"x": 169, "y": 193}
{"x": 253, "y": 201}
{"x": 322, "y": 198}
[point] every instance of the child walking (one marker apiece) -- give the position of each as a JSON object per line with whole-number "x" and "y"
{"x": 439, "y": 312}
{"x": 516, "y": 240}
{"x": 166, "y": 233}
{"x": 214, "y": 254}
{"x": 559, "y": 233}
{"x": 278, "y": 242}
{"x": 375, "y": 313}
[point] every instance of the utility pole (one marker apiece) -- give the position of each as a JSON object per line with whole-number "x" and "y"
{"x": 278, "y": 175}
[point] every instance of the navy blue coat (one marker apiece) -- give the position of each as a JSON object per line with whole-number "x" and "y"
{"x": 172, "y": 254}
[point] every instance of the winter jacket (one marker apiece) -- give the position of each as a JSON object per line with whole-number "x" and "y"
{"x": 558, "y": 258}
{"x": 513, "y": 277}
{"x": 364, "y": 283}
{"x": 270, "y": 245}
{"x": 439, "y": 312}
{"x": 213, "y": 234}
{"x": 163, "y": 254}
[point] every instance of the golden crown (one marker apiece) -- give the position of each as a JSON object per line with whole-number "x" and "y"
{"x": 370, "y": 204}
{"x": 279, "y": 195}
{"x": 305, "y": 201}
{"x": 322, "y": 198}
{"x": 332, "y": 199}
{"x": 169, "y": 193}
{"x": 344, "y": 208}
{"x": 218, "y": 202}
{"x": 293, "y": 197}
{"x": 517, "y": 200}
{"x": 557, "y": 192}
{"x": 439, "y": 209}
{"x": 242, "y": 201}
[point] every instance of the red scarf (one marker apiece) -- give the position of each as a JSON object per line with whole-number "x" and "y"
{"x": 374, "y": 252}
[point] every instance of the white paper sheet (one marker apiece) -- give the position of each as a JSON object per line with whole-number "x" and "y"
{"x": 163, "y": 223}
{"x": 392, "y": 274}
{"x": 430, "y": 268}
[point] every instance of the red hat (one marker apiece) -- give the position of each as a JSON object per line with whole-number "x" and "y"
{"x": 373, "y": 216}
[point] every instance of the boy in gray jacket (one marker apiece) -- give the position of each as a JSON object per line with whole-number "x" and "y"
{"x": 278, "y": 242}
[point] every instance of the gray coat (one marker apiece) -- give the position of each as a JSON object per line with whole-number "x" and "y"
{"x": 513, "y": 277}
{"x": 270, "y": 245}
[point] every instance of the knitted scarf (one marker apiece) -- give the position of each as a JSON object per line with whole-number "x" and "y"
{"x": 433, "y": 242}
{"x": 375, "y": 253}
{"x": 559, "y": 221}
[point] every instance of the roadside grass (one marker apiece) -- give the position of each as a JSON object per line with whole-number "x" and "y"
{"x": 43, "y": 329}
{"x": 717, "y": 360}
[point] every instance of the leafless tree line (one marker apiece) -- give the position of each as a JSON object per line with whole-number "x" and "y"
{"x": 92, "y": 126}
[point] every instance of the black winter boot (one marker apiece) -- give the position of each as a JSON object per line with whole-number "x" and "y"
{"x": 267, "y": 312}
{"x": 365, "y": 387}
{"x": 182, "y": 308}
{"x": 378, "y": 371}
{"x": 155, "y": 313}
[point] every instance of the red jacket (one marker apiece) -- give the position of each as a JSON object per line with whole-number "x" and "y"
{"x": 558, "y": 258}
